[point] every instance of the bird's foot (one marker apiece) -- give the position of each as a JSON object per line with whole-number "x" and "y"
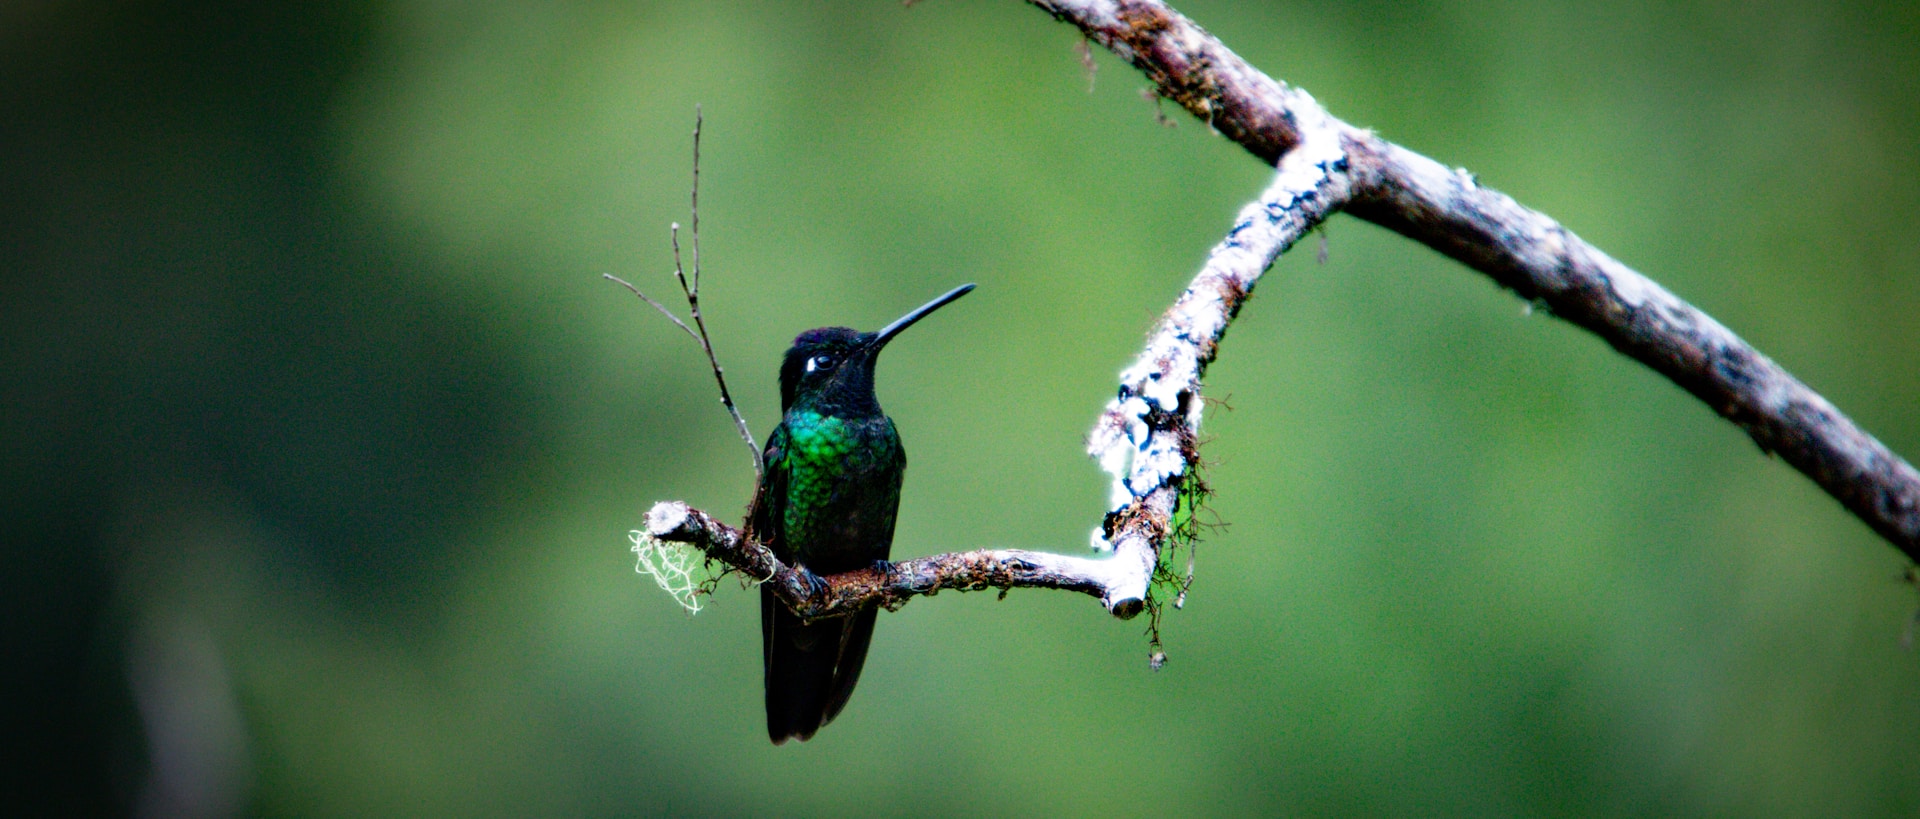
{"x": 816, "y": 586}
{"x": 884, "y": 568}
{"x": 889, "y": 600}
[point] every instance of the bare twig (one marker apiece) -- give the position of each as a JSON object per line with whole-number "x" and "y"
{"x": 693, "y": 293}
{"x": 656, "y": 305}
{"x": 691, "y": 290}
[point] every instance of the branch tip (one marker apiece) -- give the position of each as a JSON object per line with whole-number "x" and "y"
{"x": 667, "y": 518}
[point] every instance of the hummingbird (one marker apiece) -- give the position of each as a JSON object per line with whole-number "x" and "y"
{"x": 826, "y": 501}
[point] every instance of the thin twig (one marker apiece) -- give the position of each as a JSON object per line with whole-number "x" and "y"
{"x": 673, "y": 240}
{"x": 691, "y": 289}
{"x": 693, "y": 304}
{"x": 693, "y": 295}
{"x": 656, "y": 305}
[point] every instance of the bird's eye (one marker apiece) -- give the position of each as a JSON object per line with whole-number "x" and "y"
{"x": 821, "y": 362}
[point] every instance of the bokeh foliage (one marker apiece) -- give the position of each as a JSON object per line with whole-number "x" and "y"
{"x": 318, "y": 416}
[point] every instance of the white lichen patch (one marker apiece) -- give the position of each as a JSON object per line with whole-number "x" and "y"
{"x": 1098, "y": 540}
{"x": 1141, "y": 439}
{"x": 665, "y": 517}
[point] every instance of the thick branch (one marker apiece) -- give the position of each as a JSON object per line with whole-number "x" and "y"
{"x": 1145, "y": 437}
{"x": 1524, "y": 251}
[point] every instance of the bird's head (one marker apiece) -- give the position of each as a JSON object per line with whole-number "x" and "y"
{"x": 833, "y": 366}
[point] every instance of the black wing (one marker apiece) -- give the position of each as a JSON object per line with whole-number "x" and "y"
{"x": 796, "y": 659}
{"x": 764, "y": 516}
{"x": 769, "y": 506}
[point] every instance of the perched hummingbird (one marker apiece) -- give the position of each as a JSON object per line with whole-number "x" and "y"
{"x": 826, "y": 501}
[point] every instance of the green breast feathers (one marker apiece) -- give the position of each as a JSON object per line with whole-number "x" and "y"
{"x": 832, "y": 465}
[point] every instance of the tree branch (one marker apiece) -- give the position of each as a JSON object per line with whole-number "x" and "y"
{"x": 1523, "y": 250}
{"x": 1145, "y": 438}
{"x": 812, "y": 596}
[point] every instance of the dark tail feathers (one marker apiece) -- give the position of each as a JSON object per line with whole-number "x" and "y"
{"x": 810, "y": 667}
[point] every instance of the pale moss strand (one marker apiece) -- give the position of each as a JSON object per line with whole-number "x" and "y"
{"x": 671, "y": 565}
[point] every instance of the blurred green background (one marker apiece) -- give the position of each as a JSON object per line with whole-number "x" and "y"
{"x": 323, "y": 435}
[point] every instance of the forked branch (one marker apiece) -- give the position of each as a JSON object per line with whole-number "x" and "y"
{"x": 691, "y": 290}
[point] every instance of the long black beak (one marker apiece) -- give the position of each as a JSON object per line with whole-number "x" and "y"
{"x": 887, "y": 333}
